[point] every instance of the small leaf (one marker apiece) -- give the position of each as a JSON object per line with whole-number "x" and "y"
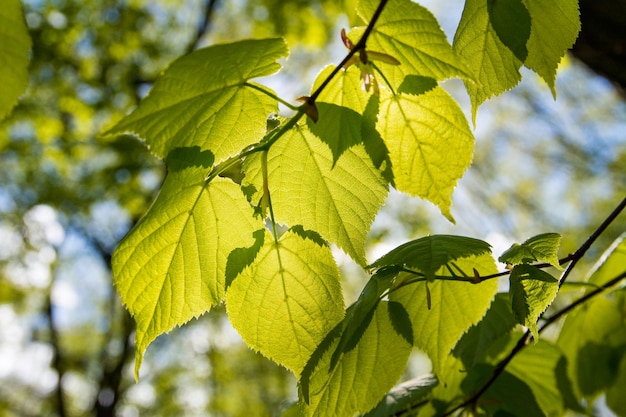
{"x": 14, "y": 48}
{"x": 495, "y": 67}
{"x": 555, "y": 26}
{"x": 339, "y": 202}
{"x": 540, "y": 248}
{"x": 171, "y": 267}
{"x": 287, "y": 300}
{"x": 361, "y": 376}
{"x": 456, "y": 306}
{"x": 430, "y": 253}
{"x": 532, "y": 291}
{"x": 429, "y": 141}
{"x": 204, "y": 99}
{"x": 403, "y": 396}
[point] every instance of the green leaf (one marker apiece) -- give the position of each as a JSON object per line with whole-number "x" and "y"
{"x": 597, "y": 330}
{"x": 285, "y": 303}
{"x": 540, "y": 248}
{"x": 361, "y": 376}
{"x": 494, "y": 66}
{"x": 429, "y": 141}
{"x": 498, "y": 321}
{"x": 346, "y": 116}
{"x": 339, "y": 202}
{"x": 543, "y": 368}
{"x": 511, "y": 21}
{"x": 555, "y": 26}
{"x": 14, "y": 47}
{"x": 171, "y": 267}
{"x": 204, "y": 99}
{"x": 615, "y": 397}
{"x": 455, "y": 305}
{"x": 403, "y": 396}
{"x": 428, "y": 254}
{"x": 611, "y": 264}
{"x": 359, "y": 315}
{"x": 532, "y": 291}
{"x": 509, "y": 395}
{"x": 411, "y": 34}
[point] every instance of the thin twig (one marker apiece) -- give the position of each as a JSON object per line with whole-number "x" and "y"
{"x": 360, "y": 46}
{"x": 204, "y": 26}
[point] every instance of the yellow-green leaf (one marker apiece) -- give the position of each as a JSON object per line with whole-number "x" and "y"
{"x": 411, "y": 34}
{"x": 362, "y": 375}
{"x": 171, "y": 267}
{"x": 555, "y": 26}
{"x": 494, "y": 66}
{"x": 429, "y": 141}
{"x": 339, "y": 202}
{"x": 14, "y": 47}
{"x": 454, "y": 306}
{"x": 204, "y": 99}
{"x": 285, "y": 303}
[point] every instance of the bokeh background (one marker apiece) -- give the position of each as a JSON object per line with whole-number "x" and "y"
{"x": 68, "y": 196}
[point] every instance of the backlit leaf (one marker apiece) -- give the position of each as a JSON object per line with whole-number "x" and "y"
{"x": 532, "y": 291}
{"x": 592, "y": 338}
{"x": 411, "y": 34}
{"x": 555, "y": 26}
{"x": 361, "y": 376}
{"x": 494, "y": 66}
{"x": 540, "y": 248}
{"x": 429, "y": 141}
{"x": 347, "y": 115}
{"x": 454, "y": 307}
{"x": 285, "y": 303}
{"x": 203, "y": 100}
{"x": 339, "y": 202}
{"x": 430, "y": 253}
{"x": 403, "y": 396}
{"x": 14, "y": 47}
{"x": 171, "y": 267}
{"x": 543, "y": 368}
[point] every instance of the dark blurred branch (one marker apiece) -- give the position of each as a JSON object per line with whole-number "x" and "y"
{"x": 109, "y": 385}
{"x": 601, "y": 44}
{"x": 57, "y": 357}
{"x": 203, "y": 28}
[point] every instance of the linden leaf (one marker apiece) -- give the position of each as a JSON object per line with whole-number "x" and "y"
{"x": 454, "y": 305}
{"x": 339, "y": 202}
{"x": 361, "y": 376}
{"x": 285, "y": 303}
{"x": 494, "y": 65}
{"x": 411, "y": 34}
{"x": 555, "y": 26}
{"x": 171, "y": 267}
{"x": 429, "y": 141}
{"x": 14, "y": 46}
{"x": 430, "y": 253}
{"x": 532, "y": 291}
{"x": 540, "y": 248}
{"x": 204, "y": 99}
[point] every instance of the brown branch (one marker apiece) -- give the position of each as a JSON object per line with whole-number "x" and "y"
{"x": 57, "y": 357}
